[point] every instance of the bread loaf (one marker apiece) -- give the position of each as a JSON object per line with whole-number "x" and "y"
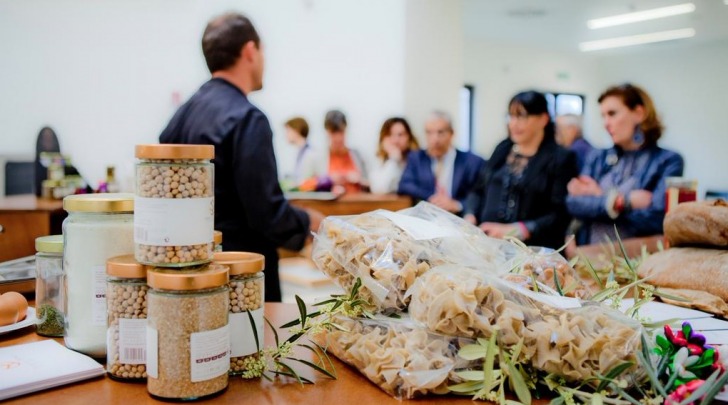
{"x": 698, "y": 223}
{"x": 688, "y": 268}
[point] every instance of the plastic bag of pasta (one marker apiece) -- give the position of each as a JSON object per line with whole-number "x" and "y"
{"x": 401, "y": 358}
{"x": 547, "y": 267}
{"x": 561, "y": 335}
{"x": 389, "y": 250}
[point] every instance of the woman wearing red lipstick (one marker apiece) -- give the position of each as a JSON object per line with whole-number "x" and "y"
{"x": 625, "y": 184}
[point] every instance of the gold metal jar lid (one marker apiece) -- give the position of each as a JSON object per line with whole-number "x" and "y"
{"x": 125, "y": 267}
{"x": 49, "y": 244}
{"x": 174, "y": 151}
{"x": 215, "y": 275}
{"x": 240, "y": 262}
{"x": 107, "y": 202}
{"x": 217, "y": 237}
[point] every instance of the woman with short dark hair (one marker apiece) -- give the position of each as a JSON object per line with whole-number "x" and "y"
{"x": 522, "y": 189}
{"x": 345, "y": 167}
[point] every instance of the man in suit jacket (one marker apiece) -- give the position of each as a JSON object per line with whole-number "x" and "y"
{"x": 440, "y": 174}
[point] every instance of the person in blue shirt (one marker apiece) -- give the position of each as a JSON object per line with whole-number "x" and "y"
{"x": 624, "y": 184}
{"x": 569, "y": 135}
{"x": 250, "y": 208}
{"x": 440, "y": 173}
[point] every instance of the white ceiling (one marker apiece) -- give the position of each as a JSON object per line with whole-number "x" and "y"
{"x": 561, "y": 24}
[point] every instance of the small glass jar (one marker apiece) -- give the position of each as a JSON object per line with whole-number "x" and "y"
{"x": 188, "y": 338}
{"x": 126, "y": 303}
{"x": 217, "y": 240}
{"x": 247, "y": 283}
{"x": 49, "y": 289}
{"x": 174, "y": 217}
{"x": 98, "y": 227}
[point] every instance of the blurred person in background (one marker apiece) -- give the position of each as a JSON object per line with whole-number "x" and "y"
{"x": 395, "y": 143}
{"x": 345, "y": 167}
{"x": 307, "y": 160}
{"x": 569, "y": 135}
{"x": 624, "y": 184}
{"x": 440, "y": 173}
{"x": 521, "y": 191}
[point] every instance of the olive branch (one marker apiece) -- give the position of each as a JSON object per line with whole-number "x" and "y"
{"x": 280, "y": 359}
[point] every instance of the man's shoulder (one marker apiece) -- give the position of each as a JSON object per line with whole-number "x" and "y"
{"x": 469, "y": 157}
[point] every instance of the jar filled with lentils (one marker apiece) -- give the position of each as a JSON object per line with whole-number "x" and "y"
{"x": 188, "y": 338}
{"x": 174, "y": 205}
{"x": 126, "y": 306}
{"x": 246, "y": 305}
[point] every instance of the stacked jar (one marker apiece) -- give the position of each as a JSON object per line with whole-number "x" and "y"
{"x": 188, "y": 339}
{"x": 98, "y": 227}
{"x": 126, "y": 303}
{"x": 174, "y": 216}
{"x": 247, "y": 283}
{"x": 50, "y": 298}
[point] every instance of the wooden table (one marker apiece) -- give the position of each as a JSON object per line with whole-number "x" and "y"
{"x": 352, "y": 204}
{"x": 24, "y": 218}
{"x": 349, "y": 387}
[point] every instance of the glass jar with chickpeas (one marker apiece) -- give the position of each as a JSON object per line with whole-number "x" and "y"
{"x": 246, "y": 284}
{"x": 126, "y": 306}
{"x": 174, "y": 205}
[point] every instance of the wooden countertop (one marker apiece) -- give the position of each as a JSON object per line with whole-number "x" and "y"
{"x": 29, "y": 202}
{"x": 349, "y": 387}
{"x": 352, "y": 204}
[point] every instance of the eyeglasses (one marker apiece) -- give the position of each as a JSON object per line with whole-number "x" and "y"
{"x": 517, "y": 117}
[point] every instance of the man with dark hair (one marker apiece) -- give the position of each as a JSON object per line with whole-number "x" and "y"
{"x": 250, "y": 208}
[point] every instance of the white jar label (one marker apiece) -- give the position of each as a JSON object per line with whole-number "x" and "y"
{"x": 98, "y": 301}
{"x": 173, "y": 221}
{"x": 209, "y": 354}
{"x": 152, "y": 353}
{"x": 242, "y": 341}
{"x": 132, "y": 341}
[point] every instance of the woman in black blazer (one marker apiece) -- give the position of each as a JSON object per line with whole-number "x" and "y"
{"x": 522, "y": 189}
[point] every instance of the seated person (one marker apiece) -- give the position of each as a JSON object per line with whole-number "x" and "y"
{"x": 395, "y": 142}
{"x": 306, "y": 159}
{"x": 521, "y": 191}
{"x": 440, "y": 174}
{"x": 625, "y": 184}
{"x": 345, "y": 166}
{"x": 569, "y": 135}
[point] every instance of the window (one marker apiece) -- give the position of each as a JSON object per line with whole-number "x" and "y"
{"x": 565, "y": 103}
{"x": 464, "y": 135}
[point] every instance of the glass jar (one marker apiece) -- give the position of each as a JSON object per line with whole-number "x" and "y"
{"x": 188, "y": 338}
{"x": 174, "y": 202}
{"x": 126, "y": 303}
{"x": 98, "y": 227}
{"x": 49, "y": 294}
{"x": 247, "y": 283}
{"x": 217, "y": 240}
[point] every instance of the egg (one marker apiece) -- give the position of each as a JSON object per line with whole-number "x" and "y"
{"x": 8, "y": 311}
{"x": 20, "y": 303}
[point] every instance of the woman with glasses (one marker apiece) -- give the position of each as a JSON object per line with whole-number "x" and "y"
{"x": 522, "y": 189}
{"x": 625, "y": 184}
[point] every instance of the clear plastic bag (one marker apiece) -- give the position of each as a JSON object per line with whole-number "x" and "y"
{"x": 403, "y": 359}
{"x": 389, "y": 250}
{"x": 560, "y": 335}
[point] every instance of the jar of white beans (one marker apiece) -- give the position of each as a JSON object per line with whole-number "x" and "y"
{"x": 174, "y": 200}
{"x": 246, "y": 284}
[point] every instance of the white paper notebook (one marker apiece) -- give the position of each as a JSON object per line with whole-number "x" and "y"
{"x": 40, "y": 365}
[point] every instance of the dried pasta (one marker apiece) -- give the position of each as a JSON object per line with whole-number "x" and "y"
{"x": 403, "y": 360}
{"x": 388, "y": 251}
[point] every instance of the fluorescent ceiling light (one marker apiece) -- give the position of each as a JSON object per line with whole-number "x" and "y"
{"x": 645, "y": 15}
{"x": 636, "y": 39}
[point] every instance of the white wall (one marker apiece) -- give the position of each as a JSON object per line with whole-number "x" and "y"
{"x": 498, "y": 71}
{"x": 434, "y": 60}
{"x": 690, "y": 89}
{"x": 103, "y": 73}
